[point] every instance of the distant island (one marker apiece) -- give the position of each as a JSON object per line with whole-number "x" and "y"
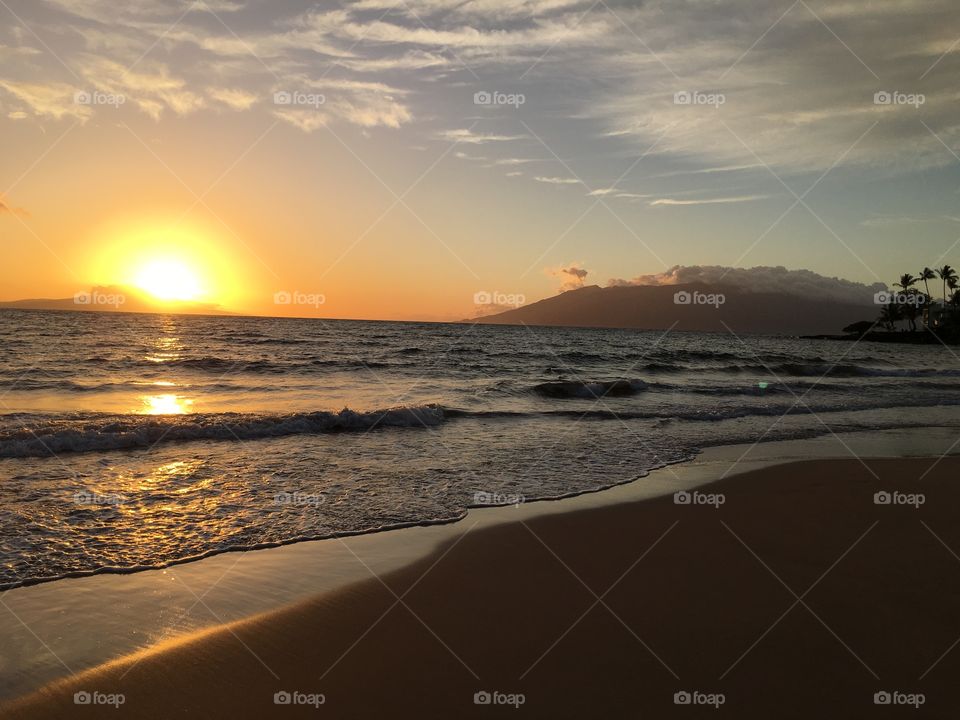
{"x": 711, "y": 308}
{"x": 103, "y": 298}
{"x": 808, "y": 305}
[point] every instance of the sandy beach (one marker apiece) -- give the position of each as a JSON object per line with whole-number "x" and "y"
{"x": 784, "y": 592}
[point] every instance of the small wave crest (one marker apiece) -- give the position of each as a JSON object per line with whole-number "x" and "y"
{"x": 595, "y": 390}
{"x": 45, "y": 438}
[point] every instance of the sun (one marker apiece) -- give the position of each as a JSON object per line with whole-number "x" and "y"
{"x": 168, "y": 279}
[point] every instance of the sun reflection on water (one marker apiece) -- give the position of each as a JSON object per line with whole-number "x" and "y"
{"x": 167, "y": 404}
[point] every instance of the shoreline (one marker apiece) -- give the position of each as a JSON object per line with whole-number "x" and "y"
{"x": 665, "y": 466}
{"x": 157, "y": 606}
{"x": 695, "y": 586}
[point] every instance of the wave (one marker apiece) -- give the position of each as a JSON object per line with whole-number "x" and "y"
{"x": 806, "y": 369}
{"x": 596, "y": 390}
{"x": 122, "y": 432}
{"x": 34, "y": 384}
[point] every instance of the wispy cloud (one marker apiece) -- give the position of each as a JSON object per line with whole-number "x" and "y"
{"x": 707, "y": 201}
{"x": 471, "y": 138}
{"x": 234, "y": 99}
{"x": 6, "y": 208}
{"x": 557, "y": 180}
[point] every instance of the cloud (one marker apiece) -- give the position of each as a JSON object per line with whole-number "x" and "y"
{"x": 153, "y": 89}
{"x": 54, "y": 99}
{"x": 557, "y": 180}
{"x": 762, "y": 279}
{"x": 235, "y": 99}
{"x": 798, "y": 95}
{"x": 572, "y": 276}
{"x": 513, "y": 161}
{"x": 569, "y": 29}
{"x": 306, "y": 120}
{"x": 468, "y": 136}
{"x": 894, "y": 220}
{"x": 5, "y": 208}
{"x": 359, "y": 102}
{"x": 707, "y": 201}
{"x": 633, "y": 196}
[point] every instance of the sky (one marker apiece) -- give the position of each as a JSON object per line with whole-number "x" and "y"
{"x": 386, "y": 159}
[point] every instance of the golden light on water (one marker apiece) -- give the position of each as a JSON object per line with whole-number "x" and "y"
{"x": 166, "y": 404}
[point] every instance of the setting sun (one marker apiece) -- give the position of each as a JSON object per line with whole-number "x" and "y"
{"x": 168, "y": 279}
{"x": 162, "y": 262}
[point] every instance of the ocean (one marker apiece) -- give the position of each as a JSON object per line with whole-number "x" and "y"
{"x": 135, "y": 441}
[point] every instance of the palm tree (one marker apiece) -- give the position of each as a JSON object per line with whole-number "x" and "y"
{"x": 906, "y": 281}
{"x": 889, "y": 315}
{"x": 910, "y": 309}
{"x": 946, "y": 274}
{"x": 927, "y": 274}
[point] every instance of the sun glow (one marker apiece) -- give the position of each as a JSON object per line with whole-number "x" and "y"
{"x": 168, "y": 262}
{"x": 169, "y": 279}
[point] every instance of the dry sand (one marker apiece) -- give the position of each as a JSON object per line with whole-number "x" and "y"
{"x": 799, "y": 597}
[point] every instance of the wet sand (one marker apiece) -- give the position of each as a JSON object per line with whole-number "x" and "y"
{"x": 797, "y": 597}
